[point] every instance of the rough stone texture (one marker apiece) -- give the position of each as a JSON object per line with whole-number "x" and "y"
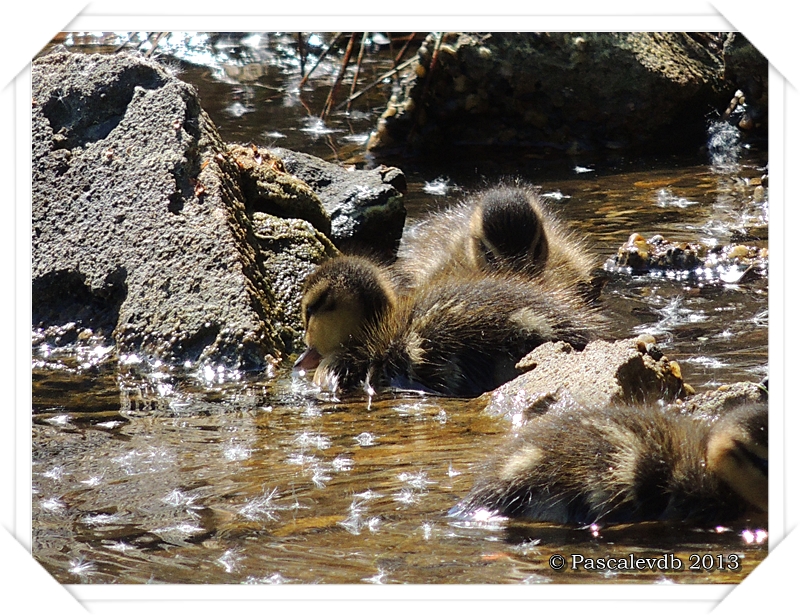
{"x": 287, "y": 249}
{"x": 140, "y": 228}
{"x": 366, "y": 207}
{"x": 746, "y": 67}
{"x": 290, "y": 250}
{"x": 626, "y": 371}
{"x": 563, "y": 91}
{"x": 267, "y": 187}
{"x": 710, "y": 405}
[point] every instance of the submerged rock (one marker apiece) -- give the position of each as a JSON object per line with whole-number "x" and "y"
{"x": 149, "y": 231}
{"x": 729, "y": 264}
{"x": 604, "y": 373}
{"x": 556, "y": 90}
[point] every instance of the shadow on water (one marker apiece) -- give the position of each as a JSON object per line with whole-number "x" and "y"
{"x": 145, "y": 474}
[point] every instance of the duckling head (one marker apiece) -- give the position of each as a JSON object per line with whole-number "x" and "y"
{"x": 737, "y": 453}
{"x": 342, "y": 300}
{"x": 507, "y": 231}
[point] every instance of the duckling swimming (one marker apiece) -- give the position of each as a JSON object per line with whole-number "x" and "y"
{"x": 504, "y": 229}
{"x": 461, "y": 336}
{"x": 622, "y": 465}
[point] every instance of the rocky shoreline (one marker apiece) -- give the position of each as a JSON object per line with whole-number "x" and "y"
{"x": 152, "y": 234}
{"x": 572, "y": 92}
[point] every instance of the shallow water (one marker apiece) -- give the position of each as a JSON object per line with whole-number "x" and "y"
{"x": 145, "y": 473}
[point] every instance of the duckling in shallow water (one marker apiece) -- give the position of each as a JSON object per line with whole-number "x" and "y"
{"x": 504, "y": 229}
{"x": 621, "y": 465}
{"x": 461, "y": 336}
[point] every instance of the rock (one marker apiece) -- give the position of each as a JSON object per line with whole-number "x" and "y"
{"x": 710, "y": 405}
{"x": 290, "y": 250}
{"x": 365, "y": 207}
{"x": 729, "y": 264}
{"x": 562, "y": 91}
{"x": 604, "y": 373}
{"x": 141, "y": 228}
{"x": 287, "y": 249}
{"x": 640, "y": 255}
{"x": 267, "y": 187}
{"x": 748, "y": 69}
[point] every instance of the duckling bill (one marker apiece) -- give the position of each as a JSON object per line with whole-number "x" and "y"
{"x": 624, "y": 465}
{"x": 461, "y": 336}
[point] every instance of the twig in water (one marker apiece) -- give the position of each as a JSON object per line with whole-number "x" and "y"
{"x": 404, "y": 49}
{"x": 335, "y": 87}
{"x": 159, "y": 36}
{"x": 420, "y": 102}
{"x": 377, "y": 82}
{"x": 358, "y": 68}
{"x": 320, "y": 59}
{"x": 124, "y": 43}
{"x": 128, "y": 40}
{"x": 434, "y": 60}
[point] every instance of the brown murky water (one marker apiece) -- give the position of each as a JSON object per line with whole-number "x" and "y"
{"x": 147, "y": 473}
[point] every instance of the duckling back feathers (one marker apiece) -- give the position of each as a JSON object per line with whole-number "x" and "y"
{"x": 621, "y": 465}
{"x": 465, "y": 335}
{"x": 506, "y": 229}
{"x": 461, "y": 336}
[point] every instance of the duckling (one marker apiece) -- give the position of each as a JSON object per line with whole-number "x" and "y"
{"x": 623, "y": 465}
{"x": 507, "y": 228}
{"x": 461, "y": 336}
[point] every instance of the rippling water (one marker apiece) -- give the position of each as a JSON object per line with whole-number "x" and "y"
{"x": 145, "y": 473}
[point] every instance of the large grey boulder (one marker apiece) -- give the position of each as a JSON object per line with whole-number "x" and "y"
{"x": 566, "y": 91}
{"x": 141, "y": 231}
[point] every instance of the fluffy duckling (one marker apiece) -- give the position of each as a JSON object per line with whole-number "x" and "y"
{"x": 504, "y": 229}
{"x": 461, "y": 336}
{"x": 622, "y": 465}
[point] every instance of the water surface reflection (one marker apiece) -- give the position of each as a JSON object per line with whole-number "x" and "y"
{"x": 144, "y": 474}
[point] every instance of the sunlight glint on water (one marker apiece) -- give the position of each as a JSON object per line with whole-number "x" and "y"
{"x": 143, "y": 474}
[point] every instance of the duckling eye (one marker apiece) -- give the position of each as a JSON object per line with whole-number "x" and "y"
{"x": 759, "y": 463}
{"x": 321, "y": 304}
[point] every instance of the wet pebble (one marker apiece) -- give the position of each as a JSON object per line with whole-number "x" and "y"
{"x": 730, "y": 263}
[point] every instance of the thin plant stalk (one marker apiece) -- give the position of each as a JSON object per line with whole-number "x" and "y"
{"x": 335, "y": 87}
{"x": 358, "y": 68}
{"x": 320, "y": 59}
